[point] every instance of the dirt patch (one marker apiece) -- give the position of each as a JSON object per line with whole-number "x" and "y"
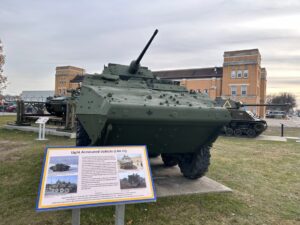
{"x": 8, "y": 150}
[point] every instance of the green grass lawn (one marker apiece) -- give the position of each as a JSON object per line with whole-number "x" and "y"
{"x": 5, "y": 119}
{"x": 264, "y": 176}
{"x": 287, "y": 131}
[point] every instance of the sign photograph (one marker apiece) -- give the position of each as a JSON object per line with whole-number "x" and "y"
{"x": 75, "y": 177}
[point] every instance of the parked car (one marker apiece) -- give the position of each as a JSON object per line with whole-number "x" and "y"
{"x": 11, "y": 108}
{"x": 276, "y": 114}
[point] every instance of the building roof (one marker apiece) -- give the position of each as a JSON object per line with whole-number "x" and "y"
{"x": 69, "y": 67}
{"x": 190, "y": 73}
{"x": 254, "y": 51}
{"x": 39, "y": 96}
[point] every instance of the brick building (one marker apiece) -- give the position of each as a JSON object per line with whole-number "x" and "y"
{"x": 63, "y": 79}
{"x": 241, "y": 78}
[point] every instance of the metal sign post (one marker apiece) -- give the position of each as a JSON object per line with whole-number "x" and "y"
{"x": 76, "y": 216}
{"x": 120, "y": 214}
{"x": 119, "y": 219}
{"x": 42, "y": 127}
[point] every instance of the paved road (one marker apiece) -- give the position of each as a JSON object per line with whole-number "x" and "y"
{"x": 7, "y": 114}
{"x": 290, "y": 122}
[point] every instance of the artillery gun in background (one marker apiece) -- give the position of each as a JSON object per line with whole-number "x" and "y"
{"x": 129, "y": 105}
{"x": 243, "y": 123}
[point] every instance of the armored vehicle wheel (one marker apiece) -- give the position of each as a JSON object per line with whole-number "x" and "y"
{"x": 229, "y": 131}
{"x": 169, "y": 160}
{"x": 67, "y": 190}
{"x": 82, "y": 138}
{"x": 251, "y": 132}
{"x": 195, "y": 165}
{"x": 61, "y": 190}
{"x": 238, "y": 132}
{"x": 56, "y": 190}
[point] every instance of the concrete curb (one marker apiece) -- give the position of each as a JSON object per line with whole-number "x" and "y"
{"x": 270, "y": 138}
{"x": 48, "y": 131}
{"x": 169, "y": 181}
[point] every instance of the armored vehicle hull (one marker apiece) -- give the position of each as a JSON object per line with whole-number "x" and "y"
{"x": 56, "y": 106}
{"x": 60, "y": 167}
{"x": 243, "y": 123}
{"x": 126, "y": 163}
{"x": 62, "y": 187}
{"x": 128, "y": 105}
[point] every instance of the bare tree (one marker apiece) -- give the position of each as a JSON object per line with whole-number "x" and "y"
{"x": 3, "y": 79}
{"x": 282, "y": 98}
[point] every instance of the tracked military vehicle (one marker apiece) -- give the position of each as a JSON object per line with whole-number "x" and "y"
{"x": 60, "y": 167}
{"x": 128, "y": 105}
{"x": 126, "y": 163}
{"x": 57, "y": 106}
{"x": 62, "y": 187}
{"x": 243, "y": 123}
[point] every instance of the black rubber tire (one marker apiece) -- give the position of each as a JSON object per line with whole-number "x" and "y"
{"x": 238, "y": 132}
{"x": 251, "y": 133}
{"x": 153, "y": 155}
{"x": 82, "y": 138}
{"x": 195, "y": 165}
{"x": 169, "y": 160}
{"x": 228, "y": 131}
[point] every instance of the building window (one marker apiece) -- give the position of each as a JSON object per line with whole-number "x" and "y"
{"x": 239, "y": 74}
{"x": 233, "y": 90}
{"x": 245, "y": 73}
{"x": 244, "y": 90}
{"x": 232, "y": 74}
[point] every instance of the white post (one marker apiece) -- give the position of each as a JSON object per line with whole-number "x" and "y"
{"x": 44, "y": 128}
{"x": 120, "y": 214}
{"x": 75, "y": 216}
{"x": 40, "y": 131}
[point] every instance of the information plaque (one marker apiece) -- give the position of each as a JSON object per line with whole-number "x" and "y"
{"x": 78, "y": 177}
{"x": 42, "y": 120}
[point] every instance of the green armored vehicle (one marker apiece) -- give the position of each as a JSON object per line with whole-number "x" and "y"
{"x": 133, "y": 181}
{"x": 243, "y": 123}
{"x": 60, "y": 167}
{"x": 136, "y": 181}
{"x": 128, "y": 105}
{"x": 62, "y": 187}
{"x": 57, "y": 106}
{"x": 126, "y": 163}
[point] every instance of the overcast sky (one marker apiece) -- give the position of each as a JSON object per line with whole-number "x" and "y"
{"x": 40, "y": 35}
